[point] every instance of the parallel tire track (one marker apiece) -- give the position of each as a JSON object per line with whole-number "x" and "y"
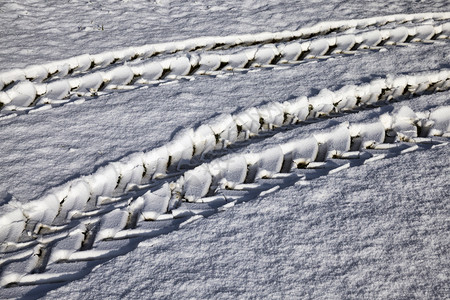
{"x": 80, "y": 221}
{"x": 83, "y": 63}
{"x": 218, "y": 185}
{"x": 80, "y": 196}
{"x": 78, "y": 225}
{"x": 25, "y": 95}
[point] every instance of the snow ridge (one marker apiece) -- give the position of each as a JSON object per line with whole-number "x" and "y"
{"x": 87, "y": 193}
{"x": 27, "y": 90}
{"x": 76, "y": 226}
{"x": 85, "y": 62}
{"x": 41, "y": 253}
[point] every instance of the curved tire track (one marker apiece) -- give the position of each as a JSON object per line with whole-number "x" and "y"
{"x": 111, "y": 183}
{"x": 88, "y": 62}
{"x": 26, "y": 95}
{"x": 216, "y": 186}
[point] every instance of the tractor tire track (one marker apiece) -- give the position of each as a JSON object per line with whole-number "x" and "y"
{"x": 216, "y": 186}
{"x": 83, "y": 63}
{"x": 79, "y": 225}
{"x": 26, "y": 95}
{"x": 86, "y": 196}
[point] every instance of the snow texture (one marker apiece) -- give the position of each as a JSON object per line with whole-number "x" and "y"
{"x": 214, "y": 149}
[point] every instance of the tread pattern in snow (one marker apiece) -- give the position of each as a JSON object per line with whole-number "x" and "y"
{"x": 105, "y": 214}
{"x": 48, "y": 240}
{"x": 25, "y": 89}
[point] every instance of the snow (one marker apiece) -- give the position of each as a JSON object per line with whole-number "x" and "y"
{"x": 440, "y": 119}
{"x": 368, "y": 134}
{"x": 151, "y": 71}
{"x": 77, "y": 197}
{"x": 338, "y": 237}
{"x": 270, "y": 162}
{"x": 119, "y": 76}
{"x": 229, "y": 172}
{"x": 111, "y": 224}
{"x": 219, "y": 149}
{"x": 335, "y": 142}
{"x": 155, "y": 162}
{"x": 87, "y": 83}
{"x": 302, "y": 151}
{"x": 22, "y": 94}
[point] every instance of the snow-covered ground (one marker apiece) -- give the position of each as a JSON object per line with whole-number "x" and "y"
{"x": 219, "y": 149}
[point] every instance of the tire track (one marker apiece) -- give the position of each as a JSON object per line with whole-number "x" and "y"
{"x": 27, "y": 95}
{"x": 83, "y": 223}
{"x": 86, "y": 62}
{"x": 88, "y": 195}
{"x": 100, "y": 216}
{"x": 216, "y": 186}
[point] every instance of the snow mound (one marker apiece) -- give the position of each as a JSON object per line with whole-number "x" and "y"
{"x": 197, "y": 183}
{"x": 203, "y": 139}
{"x": 424, "y": 32}
{"x": 131, "y": 170}
{"x": 83, "y": 62}
{"x": 301, "y": 152}
{"x": 441, "y": 119}
{"x": 210, "y": 62}
{"x": 155, "y": 162}
{"x": 103, "y": 182}
{"x": 36, "y": 73}
{"x": 42, "y": 212}
{"x": 296, "y": 110}
{"x": 318, "y": 48}
{"x": 64, "y": 248}
{"x": 398, "y": 35}
{"x": 290, "y": 52}
{"x": 12, "y": 224}
{"x": 265, "y": 55}
{"x": 119, "y": 76}
{"x": 180, "y": 66}
{"x": 371, "y": 39}
{"x": 404, "y": 123}
{"x": 78, "y": 195}
{"x": 270, "y": 162}
{"x": 367, "y": 135}
{"x": 333, "y": 143}
{"x": 345, "y": 42}
{"x": 58, "y": 89}
{"x": 103, "y": 59}
{"x": 271, "y": 115}
{"x": 229, "y": 172}
{"x": 249, "y": 122}
{"x": 22, "y": 94}
{"x": 238, "y": 60}
{"x": 181, "y": 149}
{"x": 152, "y": 71}
{"x": 87, "y": 83}
{"x": 323, "y": 103}
{"x": 225, "y": 130}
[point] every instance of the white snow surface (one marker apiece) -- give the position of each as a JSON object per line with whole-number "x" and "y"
{"x": 375, "y": 230}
